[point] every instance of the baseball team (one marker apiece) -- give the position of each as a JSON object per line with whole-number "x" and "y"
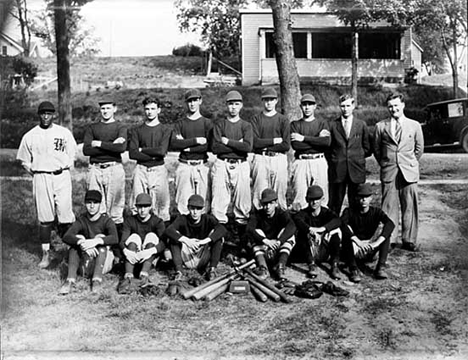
{"x": 329, "y": 164}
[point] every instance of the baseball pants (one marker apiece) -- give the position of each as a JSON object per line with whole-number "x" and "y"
{"x": 192, "y": 179}
{"x": 153, "y": 181}
{"x": 53, "y": 197}
{"x": 134, "y": 243}
{"x": 110, "y": 181}
{"x": 226, "y": 178}
{"x": 307, "y": 172}
{"x": 270, "y": 172}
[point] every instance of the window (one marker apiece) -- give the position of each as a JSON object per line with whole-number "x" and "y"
{"x": 331, "y": 45}
{"x": 379, "y": 45}
{"x": 299, "y": 45}
{"x": 4, "y": 50}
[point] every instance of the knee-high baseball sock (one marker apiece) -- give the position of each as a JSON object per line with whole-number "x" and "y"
{"x": 383, "y": 252}
{"x": 283, "y": 258}
{"x": 216, "y": 253}
{"x": 45, "y": 230}
{"x": 334, "y": 248}
{"x": 148, "y": 262}
{"x": 128, "y": 266}
{"x": 261, "y": 261}
{"x": 176, "y": 250}
{"x": 73, "y": 262}
{"x": 100, "y": 260}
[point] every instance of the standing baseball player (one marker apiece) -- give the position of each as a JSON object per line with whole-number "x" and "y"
{"x": 318, "y": 236}
{"x": 89, "y": 239}
{"x": 192, "y": 137}
{"x": 104, "y": 142}
{"x": 350, "y": 145}
{"x": 310, "y": 138}
{"x": 398, "y": 147}
{"x": 47, "y": 152}
{"x": 271, "y": 230}
{"x": 366, "y": 231}
{"x": 196, "y": 240}
{"x": 148, "y": 145}
{"x": 232, "y": 141}
{"x": 141, "y": 241}
{"x": 271, "y": 141}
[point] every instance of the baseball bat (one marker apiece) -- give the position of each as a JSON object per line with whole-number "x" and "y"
{"x": 275, "y": 297}
{"x": 188, "y": 294}
{"x": 215, "y": 293}
{"x": 205, "y": 291}
{"x": 260, "y": 296}
{"x": 271, "y": 287}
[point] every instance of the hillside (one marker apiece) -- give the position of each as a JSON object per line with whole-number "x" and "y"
{"x": 130, "y": 79}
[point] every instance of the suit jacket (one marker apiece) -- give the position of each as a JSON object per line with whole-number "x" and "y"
{"x": 403, "y": 156}
{"x": 347, "y": 156}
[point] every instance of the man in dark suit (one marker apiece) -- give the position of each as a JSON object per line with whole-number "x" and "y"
{"x": 398, "y": 147}
{"x": 350, "y": 145}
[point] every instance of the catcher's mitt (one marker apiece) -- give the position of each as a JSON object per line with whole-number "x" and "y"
{"x": 308, "y": 290}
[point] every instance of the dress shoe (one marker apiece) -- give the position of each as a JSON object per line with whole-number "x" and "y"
{"x": 335, "y": 272}
{"x": 312, "y": 270}
{"x": 67, "y": 287}
{"x": 354, "y": 276}
{"x": 409, "y": 246}
{"x": 45, "y": 261}
{"x": 380, "y": 273}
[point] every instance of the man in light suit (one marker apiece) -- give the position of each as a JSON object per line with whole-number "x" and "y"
{"x": 350, "y": 145}
{"x": 398, "y": 146}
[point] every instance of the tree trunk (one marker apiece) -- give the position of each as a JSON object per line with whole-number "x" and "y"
{"x": 354, "y": 64}
{"x": 285, "y": 61}
{"x": 455, "y": 62}
{"x": 63, "y": 63}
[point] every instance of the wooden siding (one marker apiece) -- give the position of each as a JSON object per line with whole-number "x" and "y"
{"x": 258, "y": 69}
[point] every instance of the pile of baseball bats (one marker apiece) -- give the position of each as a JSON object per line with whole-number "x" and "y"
{"x": 260, "y": 288}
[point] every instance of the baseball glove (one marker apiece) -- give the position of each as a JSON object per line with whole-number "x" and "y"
{"x": 308, "y": 290}
{"x": 150, "y": 290}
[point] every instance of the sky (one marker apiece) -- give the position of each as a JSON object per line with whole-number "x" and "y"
{"x": 133, "y": 27}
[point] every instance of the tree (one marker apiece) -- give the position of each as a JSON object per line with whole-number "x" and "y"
{"x": 285, "y": 60}
{"x": 19, "y": 11}
{"x": 63, "y": 12}
{"x": 445, "y": 22}
{"x": 82, "y": 41}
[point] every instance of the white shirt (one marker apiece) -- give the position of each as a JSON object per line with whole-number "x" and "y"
{"x": 347, "y": 123}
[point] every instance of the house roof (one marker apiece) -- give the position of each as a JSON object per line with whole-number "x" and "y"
{"x": 13, "y": 42}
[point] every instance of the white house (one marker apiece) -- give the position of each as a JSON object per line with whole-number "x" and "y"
{"x": 322, "y": 48}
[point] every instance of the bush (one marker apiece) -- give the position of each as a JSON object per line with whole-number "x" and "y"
{"x": 187, "y": 50}
{"x": 26, "y": 68}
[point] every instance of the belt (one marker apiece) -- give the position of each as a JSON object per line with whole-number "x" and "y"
{"x": 233, "y": 161}
{"x": 192, "y": 162}
{"x": 270, "y": 153}
{"x": 56, "y": 172}
{"x": 106, "y": 164}
{"x": 311, "y": 156}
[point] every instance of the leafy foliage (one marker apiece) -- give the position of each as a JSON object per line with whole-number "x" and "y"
{"x": 25, "y": 67}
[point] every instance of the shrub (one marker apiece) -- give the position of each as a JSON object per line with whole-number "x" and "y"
{"x": 26, "y": 68}
{"x": 187, "y": 50}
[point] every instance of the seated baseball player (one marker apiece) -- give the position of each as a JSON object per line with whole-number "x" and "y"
{"x": 271, "y": 231}
{"x": 318, "y": 236}
{"x": 141, "y": 241}
{"x": 196, "y": 240}
{"x": 89, "y": 238}
{"x": 366, "y": 232}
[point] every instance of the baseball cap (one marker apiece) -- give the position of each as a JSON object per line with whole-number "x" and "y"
{"x": 364, "y": 190}
{"x": 314, "y": 192}
{"x": 233, "y": 95}
{"x": 269, "y": 93}
{"x": 268, "y": 195}
{"x": 192, "y": 94}
{"x": 93, "y": 195}
{"x": 45, "y": 106}
{"x": 196, "y": 201}
{"x": 106, "y": 101}
{"x": 308, "y": 98}
{"x": 143, "y": 199}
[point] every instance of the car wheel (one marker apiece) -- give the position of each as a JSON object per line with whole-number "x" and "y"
{"x": 464, "y": 141}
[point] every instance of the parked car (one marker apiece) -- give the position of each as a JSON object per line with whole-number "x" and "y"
{"x": 446, "y": 124}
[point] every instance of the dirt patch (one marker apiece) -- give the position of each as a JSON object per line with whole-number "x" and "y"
{"x": 419, "y": 313}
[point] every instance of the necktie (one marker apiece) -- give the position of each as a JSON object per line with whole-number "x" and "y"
{"x": 397, "y": 131}
{"x": 346, "y": 127}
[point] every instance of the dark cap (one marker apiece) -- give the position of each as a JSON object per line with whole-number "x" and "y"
{"x": 314, "y": 192}
{"x": 269, "y": 93}
{"x": 364, "y": 190}
{"x": 308, "y": 98}
{"x": 143, "y": 199}
{"x": 196, "y": 201}
{"x": 45, "y": 106}
{"x": 268, "y": 195}
{"x": 233, "y": 96}
{"x": 106, "y": 101}
{"x": 93, "y": 195}
{"x": 192, "y": 94}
